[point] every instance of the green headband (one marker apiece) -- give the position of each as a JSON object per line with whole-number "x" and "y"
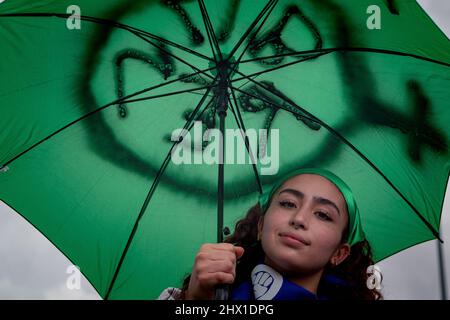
{"x": 356, "y": 233}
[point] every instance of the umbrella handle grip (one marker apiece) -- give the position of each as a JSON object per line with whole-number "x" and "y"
{"x": 221, "y": 292}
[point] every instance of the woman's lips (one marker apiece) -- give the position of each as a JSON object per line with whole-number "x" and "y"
{"x": 294, "y": 238}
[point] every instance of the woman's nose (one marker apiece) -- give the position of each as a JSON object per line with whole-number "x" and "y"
{"x": 299, "y": 219}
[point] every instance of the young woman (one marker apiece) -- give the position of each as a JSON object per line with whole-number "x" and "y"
{"x": 302, "y": 240}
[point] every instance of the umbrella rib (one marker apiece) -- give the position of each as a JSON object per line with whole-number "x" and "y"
{"x": 188, "y": 124}
{"x": 348, "y": 143}
{"x": 174, "y": 56}
{"x": 113, "y": 23}
{"x": 254, "y": 23}
{"x": 210, "y": 32}
{"x": 300, "y": 115}
{"x": 348, "y": 49}
{"x": 211, "y": 28}
{"x": 162, "y": 40}
{"x": 254, "y": 36}
{"x": 322, "y": 52}
{"x": 240, "y": 123}
{"x": 280, "y": 67}
{"x": 118, "y": 101}
{"x": 166, "y": 94}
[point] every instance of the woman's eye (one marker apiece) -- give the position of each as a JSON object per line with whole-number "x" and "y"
{"x": 287, "y": 204}
{"x": 323, "y": 216}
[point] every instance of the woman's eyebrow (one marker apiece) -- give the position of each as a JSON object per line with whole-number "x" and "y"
{"x": 319, "y": 200}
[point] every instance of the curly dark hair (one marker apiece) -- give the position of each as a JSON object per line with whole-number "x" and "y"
{"x": 353, "y": 269}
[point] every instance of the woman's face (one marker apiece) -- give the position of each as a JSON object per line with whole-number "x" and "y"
{"x": 302, "y": 229}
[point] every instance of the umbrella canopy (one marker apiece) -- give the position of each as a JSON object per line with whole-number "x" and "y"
{"x": 91, "y": 94}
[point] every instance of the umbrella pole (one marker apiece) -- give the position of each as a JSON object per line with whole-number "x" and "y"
{"x": 220, "y": 180}
{"x": 442, "y": 279}
{"x": 221, "y": 290}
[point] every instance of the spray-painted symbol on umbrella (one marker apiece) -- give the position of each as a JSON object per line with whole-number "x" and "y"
{"x": 255, "y": 96}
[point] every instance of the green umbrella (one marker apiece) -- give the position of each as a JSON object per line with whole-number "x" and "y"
{"x": 91, "y": 94}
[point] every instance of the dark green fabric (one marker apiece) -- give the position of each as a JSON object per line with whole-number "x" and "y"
{"x": 370, "y": 106}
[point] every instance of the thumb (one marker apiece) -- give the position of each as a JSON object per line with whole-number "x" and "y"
{"x": 239, "y": 251}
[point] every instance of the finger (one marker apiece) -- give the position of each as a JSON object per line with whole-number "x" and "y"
{"x": 217, "y": 246}
{"x": 239, "y": 251}
{"x": 219, "y": 278}
{"x": 211, "y": 279}
{"x": 216, "y": 255}
{"x": 216, "y": 266}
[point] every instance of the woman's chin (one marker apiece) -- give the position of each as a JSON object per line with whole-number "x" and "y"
{"x": 289, "y": 262}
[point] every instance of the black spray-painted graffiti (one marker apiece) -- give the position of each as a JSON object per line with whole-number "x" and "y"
{"x": 165, "y": 63}
{"x": 266, "y": 99}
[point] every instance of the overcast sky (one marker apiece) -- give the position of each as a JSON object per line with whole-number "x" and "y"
{"x": 32, "y": 268}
